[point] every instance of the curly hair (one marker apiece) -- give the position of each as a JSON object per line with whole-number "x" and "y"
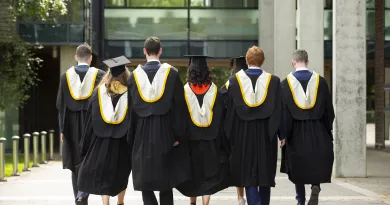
{"x": 199, "y": 74}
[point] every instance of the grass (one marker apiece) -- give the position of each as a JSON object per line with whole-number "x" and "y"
{"x": 9, "y": 166}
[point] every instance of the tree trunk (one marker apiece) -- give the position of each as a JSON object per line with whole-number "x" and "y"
{"x": 379, "y": 75}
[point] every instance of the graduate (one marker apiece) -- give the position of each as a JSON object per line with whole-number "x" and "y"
{"x": 236, "y": 64}
{"x": 207, "y": 142}
{"x": 106, "y": 166}
{"x": 76, "y": 87}
{"x": 308, "y": 154}
{"x": 252, "y": 122}
{"x": 158, "y": 116}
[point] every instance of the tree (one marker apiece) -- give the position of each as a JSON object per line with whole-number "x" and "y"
{"x": 18, "y": 66}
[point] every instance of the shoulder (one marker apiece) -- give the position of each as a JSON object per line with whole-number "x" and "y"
{"x": 173, "y": 69}
{"x": 101, "y": 72}
{"x": 275, "y": 78}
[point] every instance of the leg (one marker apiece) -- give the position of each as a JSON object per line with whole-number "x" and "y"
{"x": 265, "y": 195}
{"x": 149, "y": 198}
{"x": 315, "y": 192}
{"x": 206, "y": 199}
{"x": 81, "y": 197}
{"x": 240, "y": 196}
{"x": 74, "y": 184}
{"x": 106, "y": 200}
{"x": 252, "y": 195}
{"x": 166, "y": 197}
{"x": 121, "y": 197}
{"x": 301, "y": 194}
{"x": 192, "y": 200}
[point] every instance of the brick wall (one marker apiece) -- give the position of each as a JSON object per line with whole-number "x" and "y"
{"x": 7, "y": 23}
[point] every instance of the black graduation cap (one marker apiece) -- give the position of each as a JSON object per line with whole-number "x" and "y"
{"x": 239, "y": 63}
{"x": 117, "y": 65}
{"x": 198, "y": 61}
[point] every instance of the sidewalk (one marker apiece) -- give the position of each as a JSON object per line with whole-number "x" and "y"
{"x": 50, "y": 185}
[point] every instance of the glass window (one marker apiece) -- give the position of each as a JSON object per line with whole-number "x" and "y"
{"x": 387, "y": 4}
{"x": 138, "y": 24}
{"x": 370, "y": 4}
{"x": 113, "y": 3}
{"x": 156, "y": 3}
{"x": 370, "y": 24}
{"x": 387, "y": 25}
{"x": 134, "y": 48}
{"x": 9, "y": 125}
{"x": 224, "y": 24}
{"x": 221, "y": 49}
{"x": 328, "y": 25}
{"x": 225, "y": 3}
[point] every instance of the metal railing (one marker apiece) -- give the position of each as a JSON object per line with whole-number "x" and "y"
{"x": 37, "y": 137}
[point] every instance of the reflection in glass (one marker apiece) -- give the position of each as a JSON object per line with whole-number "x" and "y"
{"x": 156, "y": 3}
{"x": 138, "y": 24}
{"x": 224, "y": 24}
{"x": 134, "y": 49}
{"x": 225, "y": 3}
{"x": 328, "y": 25}
{"x": 115, "y": 3}
{"x": 9, "y": 125}
{"x": 221, "y": 49}
{"x": 76, "y": 12}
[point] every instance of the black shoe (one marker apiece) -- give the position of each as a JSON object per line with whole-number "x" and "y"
{"x": 82, "y": 201}
{"x": 315, "y": 191}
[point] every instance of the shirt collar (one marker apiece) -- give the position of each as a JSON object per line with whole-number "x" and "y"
{"x": 258, "y": 68}
{"x": 301, "y": 69}
{"x": 153, "y": 60}
{"x": 82, "y": 63}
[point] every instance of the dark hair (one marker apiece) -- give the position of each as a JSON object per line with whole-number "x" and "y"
{"x": 198, "y": 76}
{"x": 152, "y": 45}
{"x": 83, "y": 52}
{"x": 233, "y": 67}
{"x": 108, "y": 79}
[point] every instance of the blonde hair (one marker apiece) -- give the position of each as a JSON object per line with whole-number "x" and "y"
{"x": 108, "y": 80}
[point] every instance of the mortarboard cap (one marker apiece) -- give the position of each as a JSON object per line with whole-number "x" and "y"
{"x": 239, "y": 63}
{"x": 198, "y": 61}
{"x": 117, "y": 65}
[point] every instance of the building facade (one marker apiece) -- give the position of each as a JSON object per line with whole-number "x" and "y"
{"x": 218, "y": 28}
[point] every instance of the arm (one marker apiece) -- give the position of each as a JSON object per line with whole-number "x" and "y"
{"x": 179, "y": 110}
{"x": 329, "y": 111}
{"x": 133, "y": 117}
{"x": 61, "y": 106}
{"x": 276, "y": 116}
{"x": 87, "y": 138}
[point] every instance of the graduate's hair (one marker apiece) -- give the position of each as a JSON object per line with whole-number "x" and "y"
{"x": 300, "y": 56}
{"x": 152, "y": 46}
{"x": 255, "y": 56}
{"x": 83, "y": 52}
{"x": 199, "y": 74}
{"x": 234, "y": 68}
{"x": 108, "y": 79}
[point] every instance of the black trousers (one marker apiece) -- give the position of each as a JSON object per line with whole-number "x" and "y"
{"x": 166, "y": 198}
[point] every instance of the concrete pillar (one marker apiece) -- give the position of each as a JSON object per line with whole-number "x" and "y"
{"x": 284, "y": 36}
{"x": 349, "y": 87}
{"x": 266, "y": 33}
{"x": 67, "y": 57}
{"x": 310, "y": 27}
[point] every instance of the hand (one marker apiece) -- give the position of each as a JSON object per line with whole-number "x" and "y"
{"x": 62, "y": 136}
{"x": 282, "y": 143}
{"x": 176, "y": 143}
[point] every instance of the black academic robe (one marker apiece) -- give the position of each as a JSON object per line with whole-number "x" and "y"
{"x": 252, "y": 133}
{"x": 157, "y": 165}
{"x": 72, "y": 114}
{"x": 209, "y": 152}
{"x": 106, "y": 167}
{"x": 308, "y": 155}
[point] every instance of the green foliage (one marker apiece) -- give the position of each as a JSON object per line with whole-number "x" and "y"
{"x": 220, "y": 75}
{"x": 18, "y": 68}
{"x": 42, "y": 10}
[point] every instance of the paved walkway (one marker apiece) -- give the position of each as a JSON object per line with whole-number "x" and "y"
{"x": 50, "y": 185}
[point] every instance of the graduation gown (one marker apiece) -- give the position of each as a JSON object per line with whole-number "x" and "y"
{"x": 209, "y": 147}
{"x": 251, "y": 125}
{"x": 72, "y": 102}
{"x": 157, "y": 119}
{"x": 308, "y": 155}
{"x": 106, "y": 167}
